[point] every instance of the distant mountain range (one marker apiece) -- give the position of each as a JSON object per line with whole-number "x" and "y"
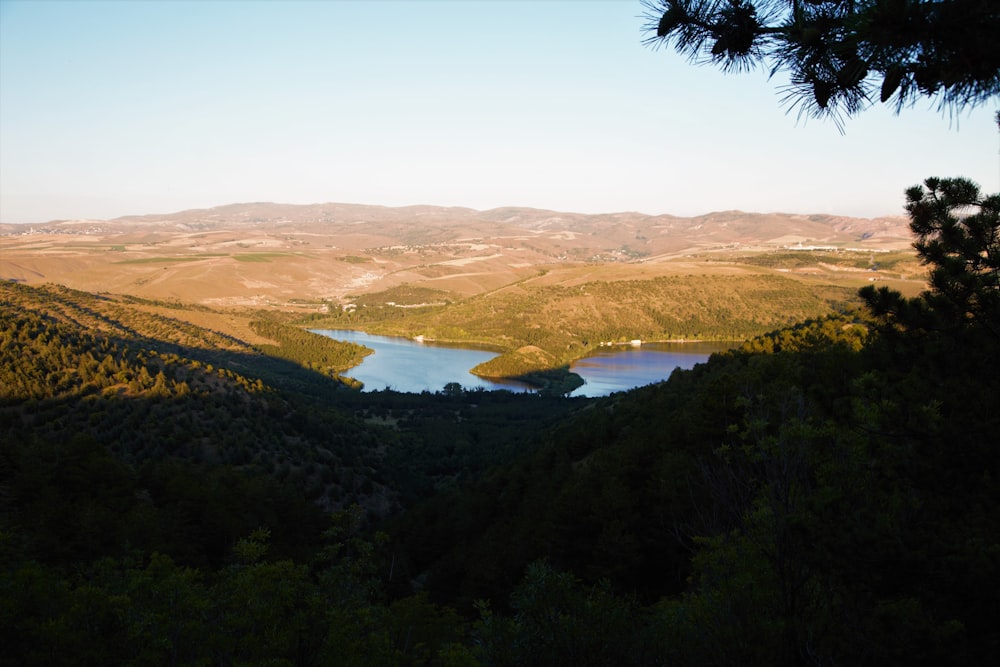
{"x": 641, "y": 234}
{"x": 261, "y": 254}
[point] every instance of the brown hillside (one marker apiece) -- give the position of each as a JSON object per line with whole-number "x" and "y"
{"x": 296, "y": 256}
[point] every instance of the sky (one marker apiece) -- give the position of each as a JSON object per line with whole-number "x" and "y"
{"x": 129, "y": 107}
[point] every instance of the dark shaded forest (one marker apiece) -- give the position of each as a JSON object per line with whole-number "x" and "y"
{"x": 825, "y": 494}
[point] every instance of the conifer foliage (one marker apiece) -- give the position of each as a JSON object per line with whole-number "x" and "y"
{"x": 842, "y": 55}
{"x": 957, "y": 232}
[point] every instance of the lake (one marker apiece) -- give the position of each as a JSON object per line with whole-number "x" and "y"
{"x": 407, "y": 365}
{"x": 622, "y": 368}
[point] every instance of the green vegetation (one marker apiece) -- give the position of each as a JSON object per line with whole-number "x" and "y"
{"x": 404, "y": 295}
{"x": 839, "y": 56}
{"x": 568, "y": 322}
{"x": 259, "y": 256}
{"x": 70, "y": 368}
{"x": 896, "y": 262}
{"x": 824, "y": 494}
{"x": 528, "y": 359}
{"x": 311, "y": 350}
{"x": 533, "y": 366}
{"x": 165, "y": 260}
{"x": 172, "y": 304}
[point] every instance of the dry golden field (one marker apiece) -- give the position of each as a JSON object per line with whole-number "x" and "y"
{"x": 310, "y": 258}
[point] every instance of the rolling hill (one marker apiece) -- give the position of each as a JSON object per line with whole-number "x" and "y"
{"x": 282, "y": 256}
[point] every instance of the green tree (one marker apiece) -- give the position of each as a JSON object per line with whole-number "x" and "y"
{"x": 842, "y": 54}
{"x": 558, "y": 620}
{"x": 958, "y": 236}
{"x": 166, "y": 614}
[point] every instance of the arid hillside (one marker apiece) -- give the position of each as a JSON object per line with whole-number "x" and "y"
{"x": 278, "y": 255}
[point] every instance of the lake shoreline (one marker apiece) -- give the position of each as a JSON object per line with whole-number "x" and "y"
{"x": 407, "y": 364}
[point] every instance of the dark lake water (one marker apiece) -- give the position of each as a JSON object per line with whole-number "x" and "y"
{"x": 623, "y": 368}
{"x": 407, "y": 365}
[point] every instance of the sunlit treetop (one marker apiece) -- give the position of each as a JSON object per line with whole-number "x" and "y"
{"x": 843, "y": 55}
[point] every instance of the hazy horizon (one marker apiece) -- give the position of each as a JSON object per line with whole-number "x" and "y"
{"x": 110, "y": 109}
{"x": 441, "y": 206}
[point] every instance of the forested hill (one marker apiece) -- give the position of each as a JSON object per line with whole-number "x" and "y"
{"x": 818, "y": 492}
{"x": 570, "y": 322}
{"x": 151, "y": 387}
{"x": 825, "y": 494}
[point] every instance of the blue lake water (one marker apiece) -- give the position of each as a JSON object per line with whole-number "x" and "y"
{"x": 403, "y": 364}
{"x": 623, "y": 368}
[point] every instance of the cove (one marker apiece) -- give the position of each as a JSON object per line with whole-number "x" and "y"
{"x": 407, "y": 365}
{"x": 621, "y": 368}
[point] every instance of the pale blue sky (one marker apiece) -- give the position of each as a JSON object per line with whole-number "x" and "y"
{"x": 142, "y": 106}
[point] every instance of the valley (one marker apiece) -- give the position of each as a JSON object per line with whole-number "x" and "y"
{"x": 183, "y": 462}
{"x": 301, "y": 257}
{"x": 509, "y": 278}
